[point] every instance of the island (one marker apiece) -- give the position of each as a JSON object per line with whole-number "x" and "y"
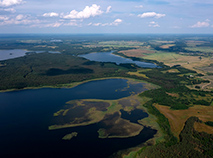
{"x": 172, "y": 98}
{"x": 70, "y": 136}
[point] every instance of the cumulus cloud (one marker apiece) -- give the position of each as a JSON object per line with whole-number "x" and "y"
{"x": 108, "y": 9}
{"x": 8, "y": 3}
{"x": 88, "y": 12}
{"x": 118, "y": 21}
{"x": 153, "y": 24}
{"x": 151, "y": 15}
{"x": 114, "y": 23}
{"x": 19, "y": 20}
{"x": 51, "y": 14}
{"x": 201, "y": 24}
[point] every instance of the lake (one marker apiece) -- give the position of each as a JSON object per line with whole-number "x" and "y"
{"x": 26, "y": 114}
{"x": 15, "y": 53}
{"x": 109, "y": 57}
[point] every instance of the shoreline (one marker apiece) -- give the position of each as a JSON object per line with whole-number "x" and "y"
{"x": 74, "y": 84}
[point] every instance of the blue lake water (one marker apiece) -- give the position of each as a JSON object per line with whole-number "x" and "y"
{"x": 26, "y": 114}
{"x": 134, "y": 115}
{"x": 15, "y": 53}
{"x": 109, "y": 57}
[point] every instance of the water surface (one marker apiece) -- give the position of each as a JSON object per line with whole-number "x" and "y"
{"x": 15, "y": 53}
{"x": 109, "y": 57}
{"x": 11, "y": 54}
{"x": 25, "y": 116}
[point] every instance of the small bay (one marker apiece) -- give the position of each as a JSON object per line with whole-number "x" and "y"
{"x": 26, "y": 114}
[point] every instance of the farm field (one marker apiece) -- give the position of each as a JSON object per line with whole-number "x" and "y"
{"x": 176, "y": 96}
{"x": 200, "y": 65}
{"x": 200, "y": 49}
{"x": 177, "y": 118}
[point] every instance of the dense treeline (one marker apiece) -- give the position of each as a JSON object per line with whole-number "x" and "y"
{"x": 183, "y": 97}
{"x": 210, "y": 123}
{"x": 163, "y": 122}
{"x": 192, "y": 144}
{"x": 45, "y": 69}
{"x": 160, "y": 64}
{"x": 175, "y": 94}
{"x": 171, "y": 80}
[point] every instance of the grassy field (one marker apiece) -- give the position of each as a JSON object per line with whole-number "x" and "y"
{"x": 201, "y": 127}
{"x": 137, "y": 52}
{"x": 201, "y": 49}
{"x": 194, "y": 43}
{"x": 163, "y": 57}
{"x": 120, "y": 43}
{"x": 167, "y": 46}
{"x": 67, "y": 70}
{"x": 177, "y": 118}
{"x": 189, "y": 62}
{"x": 138, "y": 73}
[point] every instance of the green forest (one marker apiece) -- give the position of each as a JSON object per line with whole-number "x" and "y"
{"x": 37, "y": 70}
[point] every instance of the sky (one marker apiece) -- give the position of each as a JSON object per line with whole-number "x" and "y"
{"x": 106, "y": 16}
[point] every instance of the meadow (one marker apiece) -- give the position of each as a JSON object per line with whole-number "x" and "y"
{"x": 178, "y": 98}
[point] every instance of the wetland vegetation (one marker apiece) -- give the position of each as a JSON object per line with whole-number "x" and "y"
{"x": 176, "y": 98}
{"x": 70, "y": 136}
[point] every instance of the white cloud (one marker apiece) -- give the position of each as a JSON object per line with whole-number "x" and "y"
{"x": 88, "y": 12}
{"x": 114, "y": 23}
{"x": 97, "y": 24}
{"x": 19, "y": 17}
{"x": 56, "y": 24}
{"x": 71, "y": 23}
{"x": 51, "y": 14}
{"x": 108, "y": 9}
{"x": 153, "y": 24}
{"x": 131, "y": 14}
{"x": 7, "y": 3}
{"x": 89, "y": 24}
{"x": 19, "y": 20}
{"x": 118, "y": 21}
{"x": 139, "y": 6}
{"x": 151, "y": 15}
{"x": 3, "y": 18}
{"x": 201, "y": 24}
{"x": 12, "y": 10}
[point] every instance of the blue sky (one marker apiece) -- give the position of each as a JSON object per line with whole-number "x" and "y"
{"x": 106, "y": 16}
